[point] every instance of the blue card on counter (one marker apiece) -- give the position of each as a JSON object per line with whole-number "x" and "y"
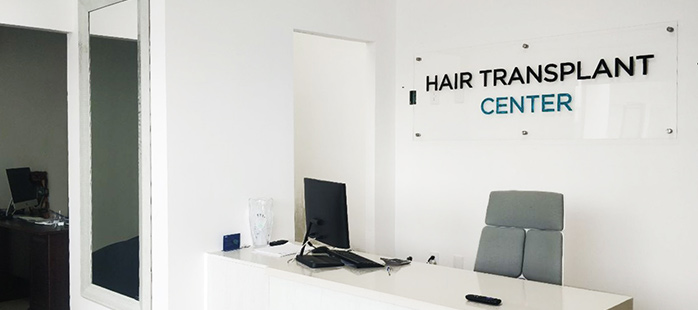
{"x": 231, "y": 242}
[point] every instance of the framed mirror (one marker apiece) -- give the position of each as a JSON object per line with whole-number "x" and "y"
{"x": 115, "y": 153}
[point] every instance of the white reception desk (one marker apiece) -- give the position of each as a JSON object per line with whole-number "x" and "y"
{"x": 244, "y": 279}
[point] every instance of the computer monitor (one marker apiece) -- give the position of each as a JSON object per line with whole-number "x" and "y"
{"x": 22, "y": 190}
{"x": 326, "y": 208}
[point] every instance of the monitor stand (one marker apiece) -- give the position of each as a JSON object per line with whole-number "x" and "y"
{"x": 316, "y": 261}
{"x": 7, "y": 213}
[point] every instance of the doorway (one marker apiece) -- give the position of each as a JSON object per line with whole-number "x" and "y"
{"x": 334, "y": 125}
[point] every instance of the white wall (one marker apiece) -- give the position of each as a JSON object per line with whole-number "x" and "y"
{"x": 50, "y": 15}
{"x": 333, "y": 116}
{"x": 630, "y": 204}
{"x": 226, "y": 71}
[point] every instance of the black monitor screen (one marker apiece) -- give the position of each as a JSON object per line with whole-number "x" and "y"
{"x": 22, "y": 190}
{"x": 326, "y": 207}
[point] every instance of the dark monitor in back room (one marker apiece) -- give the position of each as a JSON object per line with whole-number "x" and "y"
{"x": 21, "y": 187}
{"x": 326, "y": 207}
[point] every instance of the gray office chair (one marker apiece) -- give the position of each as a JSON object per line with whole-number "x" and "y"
{"x": 523, "y": 236}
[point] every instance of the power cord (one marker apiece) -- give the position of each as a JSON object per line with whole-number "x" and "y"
{"x": 431, "y": 260}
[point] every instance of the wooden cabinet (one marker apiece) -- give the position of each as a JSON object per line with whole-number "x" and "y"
{"x": 34, "y": 263}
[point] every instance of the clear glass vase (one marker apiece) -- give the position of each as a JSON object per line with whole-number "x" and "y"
{"x": 261, "y": 220}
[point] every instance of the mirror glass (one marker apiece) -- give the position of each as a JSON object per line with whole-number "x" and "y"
{"x": 114, "y": 121}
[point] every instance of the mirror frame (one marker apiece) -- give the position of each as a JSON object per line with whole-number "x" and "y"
{"x": 90, "y": 291}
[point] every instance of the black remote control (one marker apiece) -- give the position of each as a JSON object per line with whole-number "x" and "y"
{"x": 277, "y": 242}
{"x": 483, "y": 299}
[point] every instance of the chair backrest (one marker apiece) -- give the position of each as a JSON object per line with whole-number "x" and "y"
{"x": 523, "y": 236}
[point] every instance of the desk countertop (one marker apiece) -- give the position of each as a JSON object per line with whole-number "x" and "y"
{"x": 419, "y": 283}
{"x": 30, "y": 228}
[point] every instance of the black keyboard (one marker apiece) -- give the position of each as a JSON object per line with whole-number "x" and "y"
{"x": 319, "y": 261}
{"x": 354, "y": 259}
